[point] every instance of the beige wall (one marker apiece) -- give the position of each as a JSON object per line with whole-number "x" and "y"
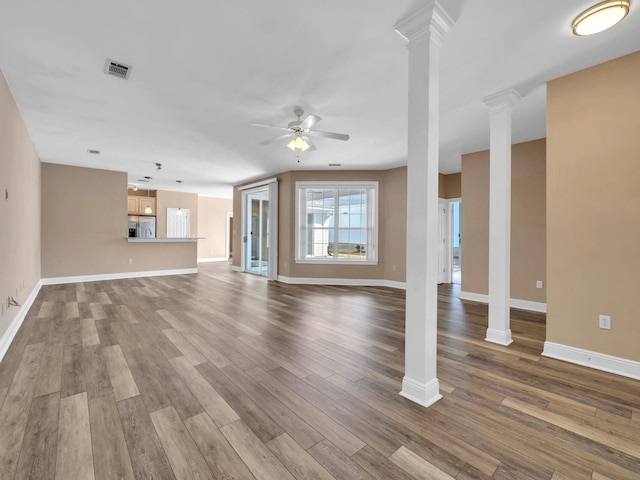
{"x": 452, "y": 186}
{"x": 394, "y": 208}
{"x": 20, "y": 213}
{"x": 528, "y": 223}
{"x": 449, "y": 186}
{"x": 84, "y": 227}
{"x": 593, "y": 208}
{"x": 391, "y": 233}
{"x": 212, "y": 225}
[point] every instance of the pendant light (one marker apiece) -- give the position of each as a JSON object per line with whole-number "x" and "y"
{"x": 600, "y": 17}
{"x": 147, "y": 209}
{"x": 179, "y": 212}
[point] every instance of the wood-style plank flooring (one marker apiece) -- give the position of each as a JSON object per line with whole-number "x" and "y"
{"x": 226, "y": 375}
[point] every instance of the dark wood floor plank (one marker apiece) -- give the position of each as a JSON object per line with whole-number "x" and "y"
{"x": 14, "y": 414}
{"x": 337, "y": 463}
{"x": 213, "y": 403}
{"x": 50, "y": 376}
{"x": 38, "y": 455}
{"x": 378, "y": 465}
{"x": 73, "y": 378}
{"x": 297, "y": 460}
{"x": 249, "y": 411}
{"x": 290, "y": 422}
{"x": 173, "y": 385}
{"x": 324, "y": 424}
{"x": 110, "y": 454}
{"x": 222, "y": 459}
{"x": 96, "y": 373}
{"x": 366, "y": 430}
{"x": 186, "y": 460}
{"x": 260, "y": 461}
{"x": 147, "y": 455}
{"x": 149, "y": 384}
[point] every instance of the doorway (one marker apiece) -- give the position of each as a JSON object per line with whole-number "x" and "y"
{"x": 257, "y": 228}
{"x": 450, "y": 241}
{"x": 260, "y": 230}
{"x": 456, "y": 242}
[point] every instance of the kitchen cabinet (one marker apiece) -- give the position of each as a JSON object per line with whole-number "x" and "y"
{"x": 147, "y": 202}
{"x": 132, "y": 204}
{"x": 137, "y": 205}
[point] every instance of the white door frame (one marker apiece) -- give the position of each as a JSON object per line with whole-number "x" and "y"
{"x": 271, "y": 186}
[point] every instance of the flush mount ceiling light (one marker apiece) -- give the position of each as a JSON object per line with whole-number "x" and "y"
{"x": 600, "y": 17}
{"x": 298, "y": 143}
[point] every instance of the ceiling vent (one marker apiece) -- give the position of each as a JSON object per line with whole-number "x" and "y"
{"x": 335, "y": 164}
{"x": 117, "y": 69}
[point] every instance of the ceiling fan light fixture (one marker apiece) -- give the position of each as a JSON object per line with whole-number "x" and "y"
{"x": 600, "y": 17}
{"x": 298, "y": 143}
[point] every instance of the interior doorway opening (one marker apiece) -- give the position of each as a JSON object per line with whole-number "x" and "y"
{"x": 456, "y": 242}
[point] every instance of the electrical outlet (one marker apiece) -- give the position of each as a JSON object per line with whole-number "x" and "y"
{"x": 605, "y": 322}
{"x": 539, "y": 284}
{"x": 131, "y": 261}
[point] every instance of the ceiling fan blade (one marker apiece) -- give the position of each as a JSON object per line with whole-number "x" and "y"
{"x": 307, "y": 139}
{"x": 269, "y": 126}
{"x": 310, "y": 121}
{"x": 274, "y": 139}
{"x": 337, "y": 136}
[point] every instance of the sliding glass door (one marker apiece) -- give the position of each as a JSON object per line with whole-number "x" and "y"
{"x": 259, "y": 223}
{"x": 257, "y": 232}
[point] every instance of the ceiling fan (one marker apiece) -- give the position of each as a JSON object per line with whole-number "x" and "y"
{"x": 301, "y": 131}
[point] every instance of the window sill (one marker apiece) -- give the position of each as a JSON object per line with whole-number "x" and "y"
{"x": 336, "y": 262}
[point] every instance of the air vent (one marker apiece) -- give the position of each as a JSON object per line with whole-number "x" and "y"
{"x": 117, "y": 69}
{"x": 335, "y": 164}
{"x": 93, "y": 152}
{"x": 145, "y": 179}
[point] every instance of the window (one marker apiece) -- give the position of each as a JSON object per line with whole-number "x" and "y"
{"x": 337, "y": 222}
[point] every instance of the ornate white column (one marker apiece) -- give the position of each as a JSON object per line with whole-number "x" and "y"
{"x": 500, "y": 106}
{"x": 423, "y": 31}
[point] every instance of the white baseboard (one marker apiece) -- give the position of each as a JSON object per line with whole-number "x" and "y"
{"x": 354, "y": 282}
{"x": 214, "y": 259}
{"x": 515, "y": 302}
{"x": 116, "y": 276}
{"x": 499, "y": 336}
{"x": 596, "y": 360}
{"x": 425, "y": 394}
{"x": 8, "y": 336}
{"x": 236, "y": 269}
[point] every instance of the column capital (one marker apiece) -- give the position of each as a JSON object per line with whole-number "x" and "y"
{"x": 502, "y": 100}
{"x": 428, "y": 22}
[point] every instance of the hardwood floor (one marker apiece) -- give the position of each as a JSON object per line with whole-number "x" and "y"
{"x": 226, "y": 375}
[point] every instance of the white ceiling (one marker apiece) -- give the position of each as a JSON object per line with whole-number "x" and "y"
{"x": 204, "y": 70}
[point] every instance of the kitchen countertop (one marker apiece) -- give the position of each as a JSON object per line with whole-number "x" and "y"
{"x": 163, "y": 239}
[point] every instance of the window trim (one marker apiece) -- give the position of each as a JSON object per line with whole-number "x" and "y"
{"x": 300, "y": 222}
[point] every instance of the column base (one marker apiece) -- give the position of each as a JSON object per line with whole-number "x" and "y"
{"x": 501, "y": 337}
{"x": 425, "y": 394}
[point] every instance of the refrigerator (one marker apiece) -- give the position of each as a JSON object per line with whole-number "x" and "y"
{"x": 142, "y": 226}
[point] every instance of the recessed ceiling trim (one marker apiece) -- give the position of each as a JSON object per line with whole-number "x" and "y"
{"x": 117, "y": 69}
